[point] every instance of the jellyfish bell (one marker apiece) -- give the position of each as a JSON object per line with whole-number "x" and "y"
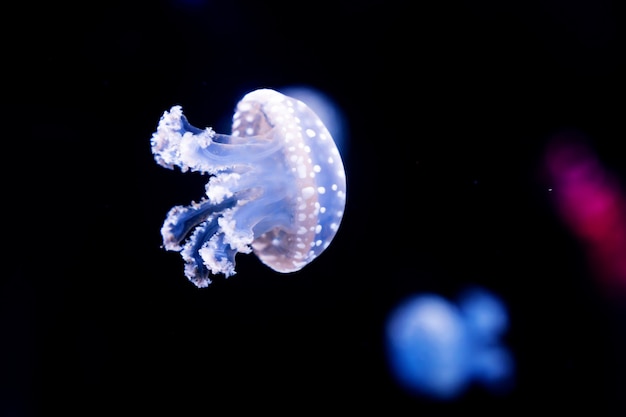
{"x": 277, "y": 186}
{"x": 326, "y": 108}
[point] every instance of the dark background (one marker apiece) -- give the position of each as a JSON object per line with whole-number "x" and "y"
{"x": 448, "y": 107}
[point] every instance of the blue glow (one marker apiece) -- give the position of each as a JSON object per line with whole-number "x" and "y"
{"x": 437, "y": 349}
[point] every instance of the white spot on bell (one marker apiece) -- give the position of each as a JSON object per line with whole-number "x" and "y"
{"x": 308, "y": 192}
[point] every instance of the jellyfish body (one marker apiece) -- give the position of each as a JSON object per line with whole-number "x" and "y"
{"x": 277, "y": 187}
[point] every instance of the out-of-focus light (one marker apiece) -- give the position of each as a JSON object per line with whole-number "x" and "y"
{"x": 592, "y": 205}
{"x": 437, "y": 349}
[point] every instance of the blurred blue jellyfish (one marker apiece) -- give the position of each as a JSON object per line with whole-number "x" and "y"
{"x": 277, "y": 187}
{"x": 436, "y": 349}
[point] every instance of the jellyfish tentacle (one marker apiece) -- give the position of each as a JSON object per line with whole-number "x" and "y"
{"x": 196, "y": 269}
{"x": 279, "y": 218}
{"x": 178, "y": 143}
{"x": 218, "y": 255}
{"x": 235, "y": 139}
{"x": 206, "y": 252}
{"x": 181, "y": 220}
{"x": 256, "y": 217}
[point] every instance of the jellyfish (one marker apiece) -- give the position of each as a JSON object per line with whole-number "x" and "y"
{"x": 276, "y": 187}
{"x": 436, "y": 349}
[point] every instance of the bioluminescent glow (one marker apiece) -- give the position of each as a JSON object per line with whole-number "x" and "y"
{"x": 592, "y": 204}
{"x": 437, "y": 349}
{"x": 277, "y": 186}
